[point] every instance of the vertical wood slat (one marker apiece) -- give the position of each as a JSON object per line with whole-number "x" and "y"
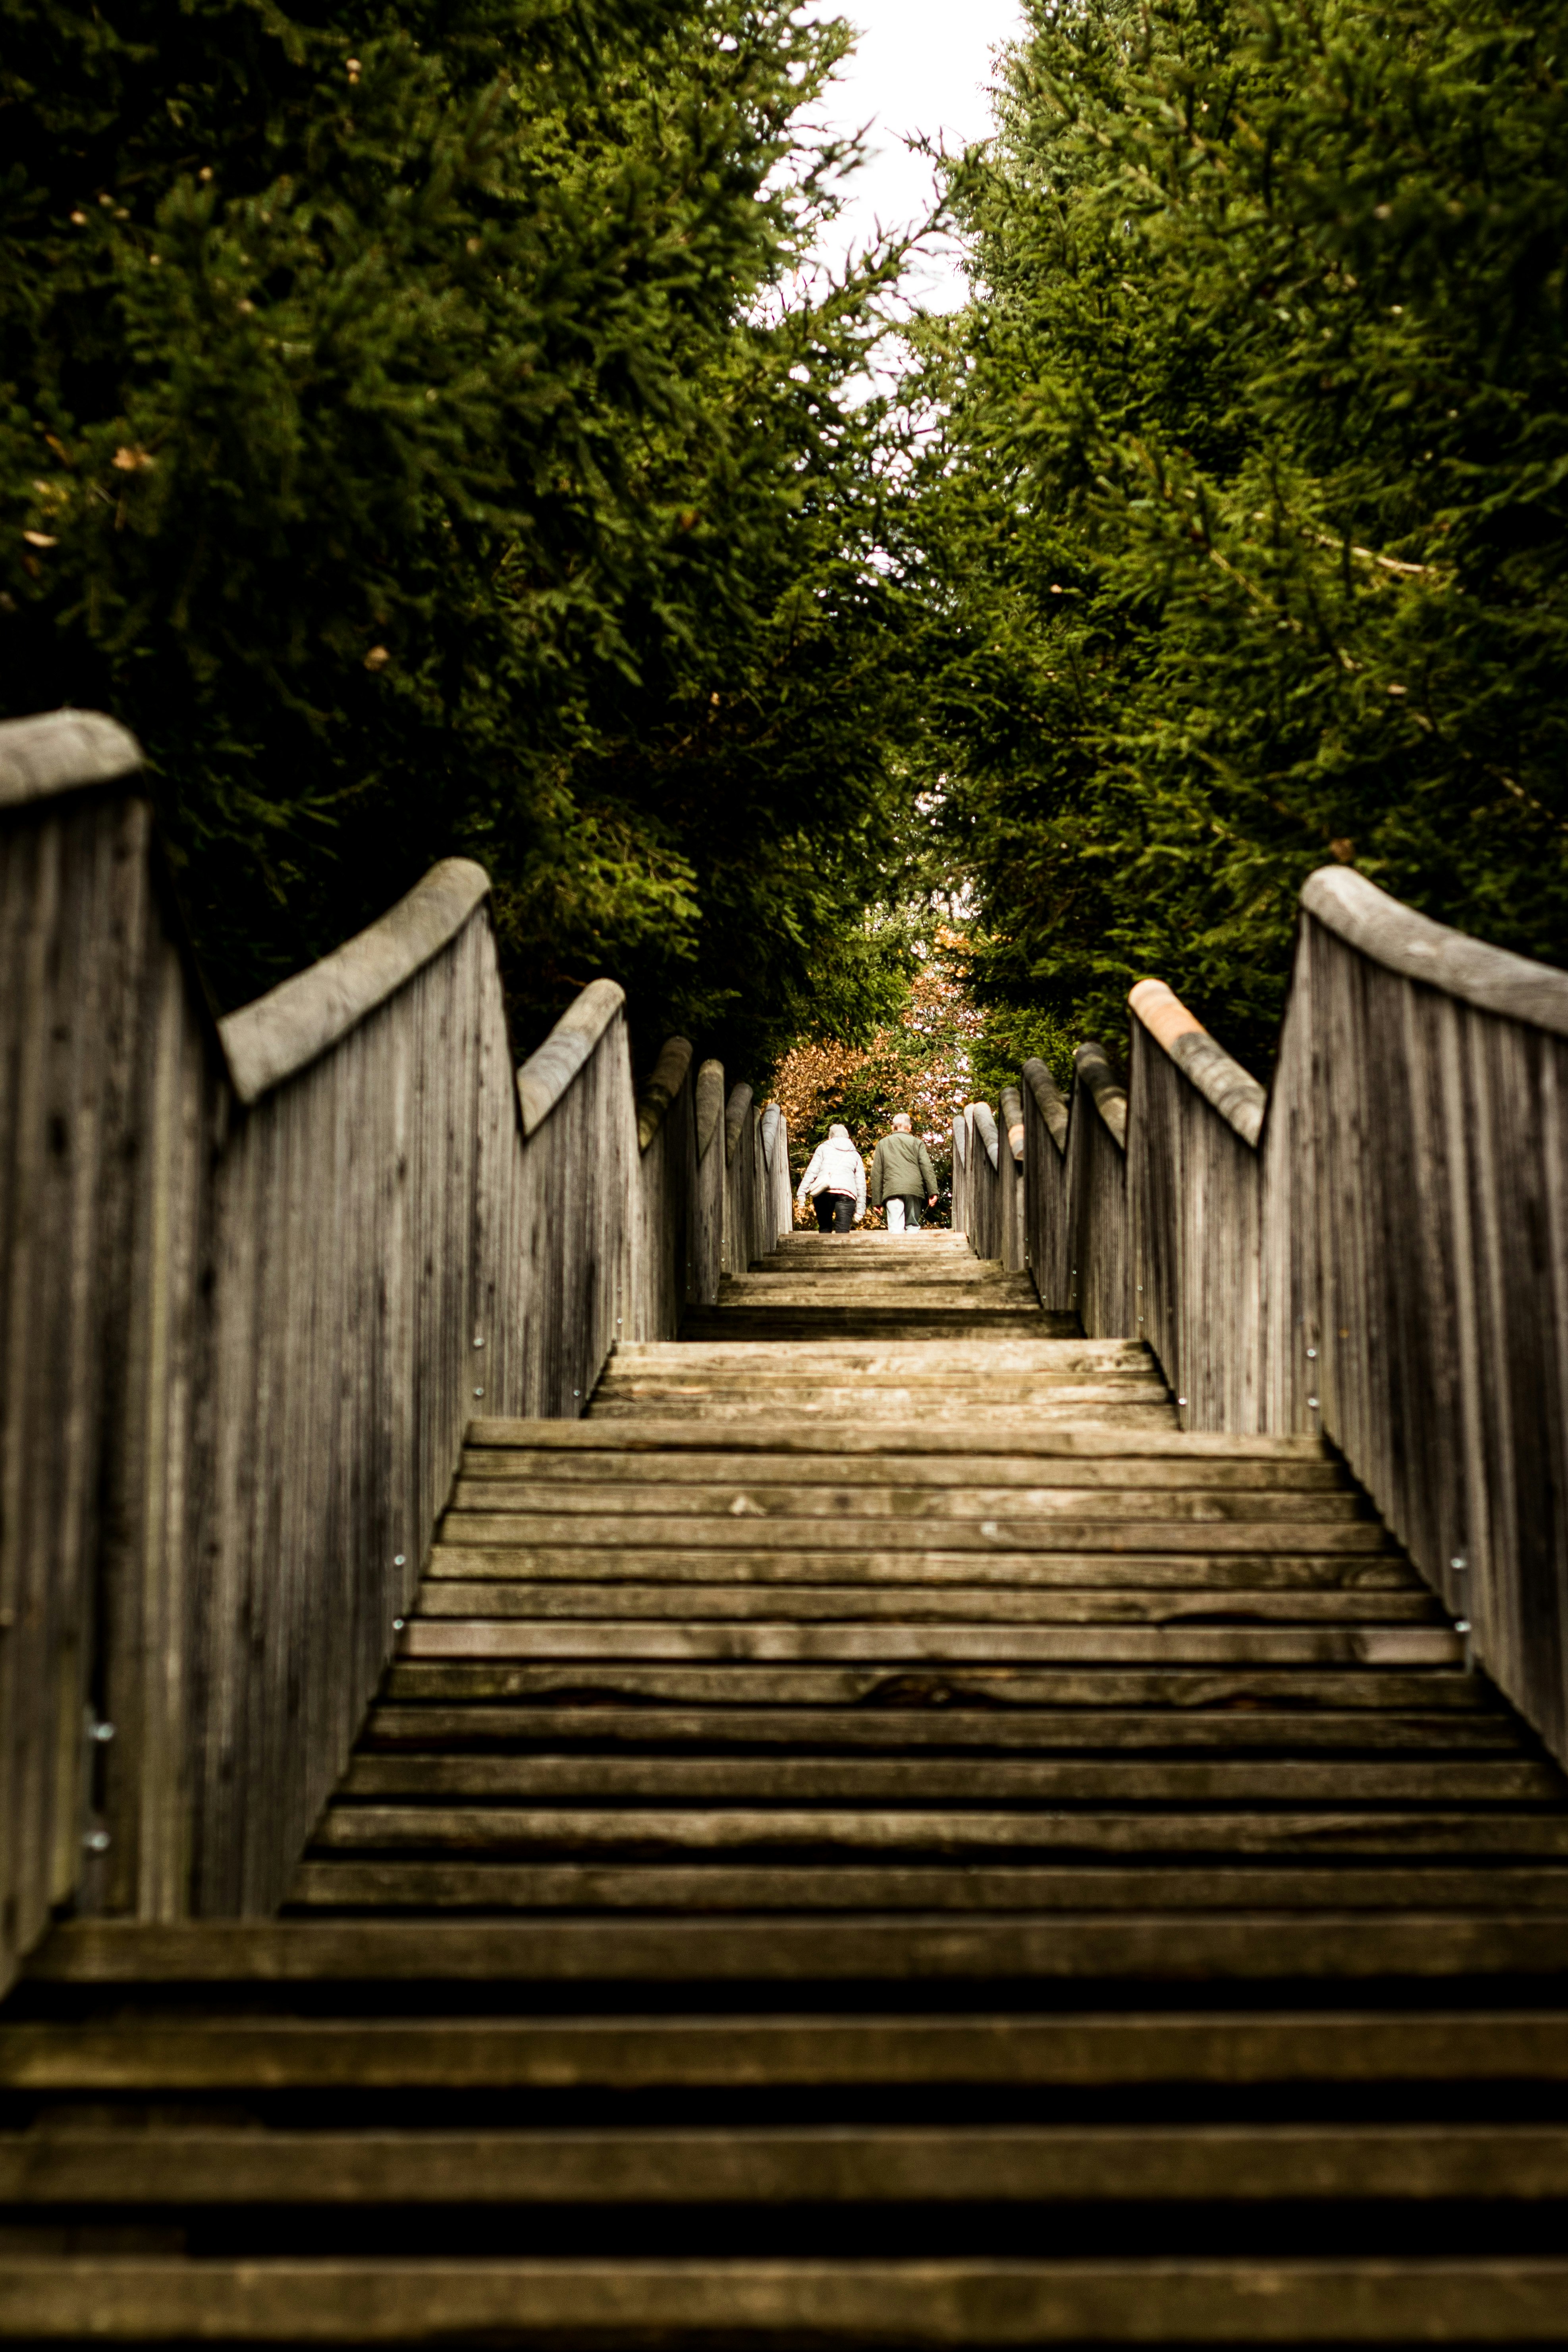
{"x": 756, "y": 1195}
{"x": 983, "y": 1186}
{"x": 1379, "y": 1254}
{"x": 1046, "y": 1225}
{"x": 963, "y": 1193}
{"x": 241, "y": 1331}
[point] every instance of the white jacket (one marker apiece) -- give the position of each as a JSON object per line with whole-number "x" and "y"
{"x": 836, "y": 1167}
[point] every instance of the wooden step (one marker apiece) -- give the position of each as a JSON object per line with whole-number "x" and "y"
{"x": 871, "y": 2165}
{"x": 244, "y": 2052}
{"x": 606, "y": 2302}
{"x": 425, "y": 1960}
{"x": 940, "y": 1683}
{"x": 873, "y": 1322}
{"x": 952, "y": 1644}
{"x": 1099, "y": 1407}
{"x": 962, "y": 1889}
{"x": 599, "y": 1825}
{"x": 825, "y": 1483}
{"x": 1067, "y": 1522}
{"x": 927, "y": 1781}
{"x": 905, "y": 1452}
{"x": 448, "y": 1594}
{"x": 1257, "y": 1732}
{"x": 1213, "y": 1581}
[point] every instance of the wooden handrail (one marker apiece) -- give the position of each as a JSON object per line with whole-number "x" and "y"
{"x": 1092, "y": 1067}
{"x": 1011, "y": 1105}
{"x": 710, "y": 1105}
{"x": 254, "y": 1281}
{"x": 1049, "y": 1100}
{"x": 1217, "y": 1075}
{"x": 547, "y": 1073}
{"x": 772, "y": 1120}
{"x": 735, "y": 1111}
{"x": 1374, "y": 1251}
{"x": 986, "y": 1127}
{"x": 664, "y": 1083}
{"x": 63, "y": 751}
{"x": 295, "y": 1024}
{"x": 1400, "y": 941}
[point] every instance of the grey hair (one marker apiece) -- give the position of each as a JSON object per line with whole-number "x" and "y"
{"x": 902, "y": 1119}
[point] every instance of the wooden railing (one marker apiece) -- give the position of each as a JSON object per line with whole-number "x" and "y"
{"x": 256, "y": 1277}
{"x": 1375, "y": 1250}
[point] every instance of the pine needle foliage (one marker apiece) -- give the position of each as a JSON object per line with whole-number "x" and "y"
{"x": 1250, "y": 493}
{"x": 408, "y": 426}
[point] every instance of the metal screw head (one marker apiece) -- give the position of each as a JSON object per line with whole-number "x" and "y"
{"x": 1312, "y": 1353}
{"x": 97, "y": 1841}
{"x": 1313, "y": 1402}
{"x": 1460, "y": 1562}
{"x": 101, "y": 1731}
{"x": 399, "y": 1623}
{"x": 478, "y": 1391}
{"x": 1461, "y": 1624}
{"x": 1181, "y": 1399}
{"x": 479, "y": 1343}
{"x": 399, "y": 1560}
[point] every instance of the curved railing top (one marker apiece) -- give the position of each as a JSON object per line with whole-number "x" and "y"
{"x": 1049, "y": 1101}
{"x": 303, "y": 1018}
{"x": 1396, "y": 937}
{"x": 984, "y": 1125}
{"x": 1010, "y": 1104}
{"x": 1091, "y": 1066}
{"x": 547, "y": 1073}
{"x": 664, "y": 1083}
{"x": 1218, "y": 1076}
{"x": 735, "y": 1111}
{"x": 62, "y": 752}
{"x": 710, "y": 1105}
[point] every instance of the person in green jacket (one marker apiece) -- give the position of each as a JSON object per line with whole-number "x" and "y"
{"x": 902, "y": 1177}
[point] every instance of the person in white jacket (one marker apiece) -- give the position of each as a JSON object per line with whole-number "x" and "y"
{"x": 836, "y": 1182}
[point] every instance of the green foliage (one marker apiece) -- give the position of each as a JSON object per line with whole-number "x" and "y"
{"x": 1012, "y": 1034}
{"x": 1251, "y": 496}
{"x": 405, "y": 428}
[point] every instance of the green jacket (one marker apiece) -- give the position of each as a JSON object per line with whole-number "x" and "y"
{"x": 901, "y": 1170}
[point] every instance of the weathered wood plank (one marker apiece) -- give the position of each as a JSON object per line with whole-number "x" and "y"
{"x": 497, "y": 2054}
{"x": 903, "y": 1946}
{"x": 875, "y": 2165}
{"x": 962, "y": 1887}
{"x": 932, "y": 2302}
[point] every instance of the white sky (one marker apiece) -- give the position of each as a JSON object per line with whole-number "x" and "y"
{"x": 921, "y": 66}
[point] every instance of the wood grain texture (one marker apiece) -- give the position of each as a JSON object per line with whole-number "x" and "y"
{"x": 254, "y": 1280}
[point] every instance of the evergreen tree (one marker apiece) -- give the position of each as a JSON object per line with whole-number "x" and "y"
{"x": 410, "y": 425}
{"x": 1249, "y": 501}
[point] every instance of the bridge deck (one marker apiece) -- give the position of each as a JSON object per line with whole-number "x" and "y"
{"x": 871, "y": 1835}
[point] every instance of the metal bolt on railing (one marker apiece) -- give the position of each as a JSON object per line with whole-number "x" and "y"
{"x": 399, "y": 1560}
{"x": 101, "y": 1732}
{"x": 1311, "y": 1354}
{"x": 478, "y": 1391}
{"x": 1312, "y": 1402}
{"x": 97, "y": 1841}
{"x": 479, "y": 1343}
{"x": 399, "y": 1623}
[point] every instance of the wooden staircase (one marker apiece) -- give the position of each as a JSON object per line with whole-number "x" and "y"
{"x": 871, "y": 1836}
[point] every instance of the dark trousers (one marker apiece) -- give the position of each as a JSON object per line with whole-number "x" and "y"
{"x": 834, "y": 1212}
